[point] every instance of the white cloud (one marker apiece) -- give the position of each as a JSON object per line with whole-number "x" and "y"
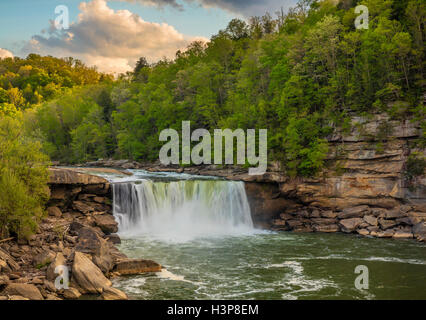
{"x": 5, "y": 53}
{"x": 112, "y": 40}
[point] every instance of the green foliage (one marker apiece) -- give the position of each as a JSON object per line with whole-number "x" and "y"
{"x": 23, "y": 180}
{"x": 26, "y": 82}
{"x": 74, "y": 126}
{"x": 299, "y": 76}
{"x": 416, "y": 166}
{"x": 304, "y": 149}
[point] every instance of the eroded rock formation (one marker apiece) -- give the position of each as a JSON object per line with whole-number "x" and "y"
{"x": 364, "y": 188}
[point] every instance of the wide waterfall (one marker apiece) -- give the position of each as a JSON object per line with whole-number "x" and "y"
{"x": 181, "y": 210}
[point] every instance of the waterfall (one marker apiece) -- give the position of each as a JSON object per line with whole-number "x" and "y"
{"x": 181, "y": 210}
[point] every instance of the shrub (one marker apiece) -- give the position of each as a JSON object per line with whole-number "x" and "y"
{"x": 416, "y": 165}
{"x": 23, "y": 180}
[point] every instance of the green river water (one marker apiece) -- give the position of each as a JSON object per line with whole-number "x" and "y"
{"x": 283, "y": 265}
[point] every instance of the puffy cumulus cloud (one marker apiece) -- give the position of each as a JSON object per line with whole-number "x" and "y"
{"x": 244, "y": 7}
{"x": 5, "y": 54}
{"x": 111, "y": 40}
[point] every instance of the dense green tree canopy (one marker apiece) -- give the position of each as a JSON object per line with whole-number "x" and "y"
{"x": 299, "y": 75}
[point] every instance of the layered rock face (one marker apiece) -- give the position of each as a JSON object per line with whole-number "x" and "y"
{"x": 364, "y": 188}
{"x": 78, "y": 233}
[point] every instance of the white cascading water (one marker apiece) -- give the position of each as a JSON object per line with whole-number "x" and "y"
{"x": 181, "y": 210}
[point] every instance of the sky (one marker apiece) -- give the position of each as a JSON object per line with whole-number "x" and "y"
{"x": 113, "y": 34}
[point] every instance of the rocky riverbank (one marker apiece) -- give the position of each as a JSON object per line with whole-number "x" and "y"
{"x": 79, "y": 233}
{"x": 365, "y": 188}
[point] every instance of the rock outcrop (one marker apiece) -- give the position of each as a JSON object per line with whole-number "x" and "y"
{"x": 364, "y": 187}
{"x": 87, "y": 276}
{"x": 365, "y": 178}
{"x": 28, "y": 291}
{"x": 78, "y": 234}
{"x": 136, "y": 266}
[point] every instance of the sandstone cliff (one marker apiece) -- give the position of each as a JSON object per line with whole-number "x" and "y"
{"x": 366, "y": 179}
{"x": 366, "y": 171}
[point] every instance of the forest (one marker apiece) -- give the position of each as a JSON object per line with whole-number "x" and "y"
{"x": 299, "y": 74}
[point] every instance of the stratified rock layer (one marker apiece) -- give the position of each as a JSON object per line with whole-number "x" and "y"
{"x": 365, "y": 178}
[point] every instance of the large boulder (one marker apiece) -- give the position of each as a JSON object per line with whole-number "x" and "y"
{"x": 113, "y": 238}
{"x": 91, "y": 243}
{"x": 58, "y": 261}
{"x": 71, "y": 294}
{"x": 328, "y": 214}
{"x": 387, "y": 224}
{"x": 136, "y": 266}
{"x": 54, "y": 212}
{"x": 87, "y": 275}
{"x": 28, "y": 291}
{"x": 107, "y": 223}
{"x": 419, "y": 231}
{"x": 354, "y": 212}
{"x": 82, "y": 207}
{"x": 371, "y": 220}
{"x": 44, "y": 258}
{"x": 350, "y": 225}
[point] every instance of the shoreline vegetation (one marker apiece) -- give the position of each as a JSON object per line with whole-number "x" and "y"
{"x": 344, "y": 109}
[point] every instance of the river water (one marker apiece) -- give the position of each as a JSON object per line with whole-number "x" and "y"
{"x": 200, "y": 231}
